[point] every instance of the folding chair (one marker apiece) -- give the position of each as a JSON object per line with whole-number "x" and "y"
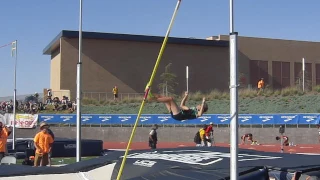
{"x": 8, "y": 160}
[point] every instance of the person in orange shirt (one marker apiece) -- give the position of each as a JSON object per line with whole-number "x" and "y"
{"x": 260, "y": 86}
{"x": 43, "y": 143}
{"x": 4, "y": 134}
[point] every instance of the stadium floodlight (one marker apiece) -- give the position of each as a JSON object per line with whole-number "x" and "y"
{"x": 78, "y": 140}
{"x": 14, "y": 53}
{"x": 233, "y": 98}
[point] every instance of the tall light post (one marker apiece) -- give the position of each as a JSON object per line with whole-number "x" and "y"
{"x": 78, "y": 140}
{"x": 14, "y": 50}
{"x": 233, "y": 98}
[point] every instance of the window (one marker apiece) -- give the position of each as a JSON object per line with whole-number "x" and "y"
{"x": 258, "y": 69}
{"x": 280, "y": 74}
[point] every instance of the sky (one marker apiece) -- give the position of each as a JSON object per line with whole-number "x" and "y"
{"x": 35, "y": 23}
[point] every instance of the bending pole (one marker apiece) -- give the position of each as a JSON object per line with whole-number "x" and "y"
{"x": 78, "y": 141}
{"x": 148, "y": 89}
{"x": 234, "y": 175}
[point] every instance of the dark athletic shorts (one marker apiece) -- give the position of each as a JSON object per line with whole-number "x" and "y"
{"x": 178, "y": 117}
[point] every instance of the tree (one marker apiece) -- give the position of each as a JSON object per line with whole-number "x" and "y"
{"x": 307, "y": 80}
{"x": 242, "y": 81}
{"x": 168, "y": 81}
{"x": 33, "y": 98}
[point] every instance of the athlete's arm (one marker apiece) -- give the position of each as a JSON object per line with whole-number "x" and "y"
{"x": 183, "y": 102}
{"x": 201, "y": 109}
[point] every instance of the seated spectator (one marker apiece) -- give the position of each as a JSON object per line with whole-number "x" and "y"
{"x": 28, "y": 161}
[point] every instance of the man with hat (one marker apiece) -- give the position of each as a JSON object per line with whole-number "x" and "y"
{"x": 43, "y": 143}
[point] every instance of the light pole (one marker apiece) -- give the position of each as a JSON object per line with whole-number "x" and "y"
{"x": 233, "y": 99}
{"x": 79, "y": 88}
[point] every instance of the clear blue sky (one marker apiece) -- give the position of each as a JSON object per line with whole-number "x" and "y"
{"x": 35, "y": 23}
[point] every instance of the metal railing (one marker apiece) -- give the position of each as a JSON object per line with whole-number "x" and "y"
{"x": 105, "y": 96}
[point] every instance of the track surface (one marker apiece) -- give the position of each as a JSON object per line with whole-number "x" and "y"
{"x": 301, "y": 148}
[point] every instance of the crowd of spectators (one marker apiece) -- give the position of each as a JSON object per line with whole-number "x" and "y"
{"x": 33, "y": 105}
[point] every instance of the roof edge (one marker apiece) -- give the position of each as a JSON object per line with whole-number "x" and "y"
{"x": 132, "y": 37}
{"x": 47, "y": 49}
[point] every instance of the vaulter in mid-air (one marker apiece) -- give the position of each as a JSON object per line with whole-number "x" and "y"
{"x": 181, "y": 112}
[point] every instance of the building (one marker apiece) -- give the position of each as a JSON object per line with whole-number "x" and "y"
{"x": 127, "y": 61}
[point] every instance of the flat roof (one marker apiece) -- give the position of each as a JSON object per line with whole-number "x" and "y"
{"x": 130, "y": 37}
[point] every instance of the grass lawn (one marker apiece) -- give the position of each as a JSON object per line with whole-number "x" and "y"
{"x": 288, "y": 100}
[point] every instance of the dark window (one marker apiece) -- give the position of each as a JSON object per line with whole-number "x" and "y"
{"x": 258, "y": 69}
{"x": 281, "y": 74}
{"x": 318, "y": 74}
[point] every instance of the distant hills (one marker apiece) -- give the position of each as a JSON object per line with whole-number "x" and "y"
{"x": 19, "y": 97}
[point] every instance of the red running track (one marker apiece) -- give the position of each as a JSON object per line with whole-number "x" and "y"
{"x": 301, "y": 148}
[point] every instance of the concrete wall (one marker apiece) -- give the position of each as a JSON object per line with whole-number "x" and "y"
{"x": 129, "y": 65}
{"x": 270, "y": 50}
{"x": 55, "y": 67}
{"x": 177, "y": 134}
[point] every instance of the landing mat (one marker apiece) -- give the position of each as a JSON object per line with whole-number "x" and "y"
{"x": 197, "y": 163}
{"x": 210, "y": 163}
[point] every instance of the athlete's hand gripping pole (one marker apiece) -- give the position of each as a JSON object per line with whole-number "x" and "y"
{"x": 148, "y": 89}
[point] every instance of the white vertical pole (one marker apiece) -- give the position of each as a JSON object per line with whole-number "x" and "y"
{"x": 14, "y": 96}
{"x": 303, "y": 71}
{"x": 167, "y": 88}
{"x": 79, "y": 88}
{"x": 233, "y": 99}
{"x": 187, "y": 77}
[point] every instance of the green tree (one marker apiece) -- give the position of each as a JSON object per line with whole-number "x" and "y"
{"x": 168, "y": 81}
{"x": 307, "y": 81}
{"x": 242, "y": 80}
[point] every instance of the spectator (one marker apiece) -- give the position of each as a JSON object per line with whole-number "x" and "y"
{"x": 209, "y": 134}
{"x": 202, "y": 133}
{"x": 4, "y": 134}
{"x": 199, "y": 138}
{"x": 260, "y": 85}
{"x": 115, "y": 93}
{"x": 285, "y": 138}
{"x": 43, "y": 144}
{"x": 49, "y": 96}
{"x": 153, "y": 137}
{"x": 28, "y": 161}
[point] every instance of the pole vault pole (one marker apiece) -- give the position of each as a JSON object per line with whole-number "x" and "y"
{"x": 79, "y": 88}
{"x": 233, "y": 99}
{"x": 148, "y": 88}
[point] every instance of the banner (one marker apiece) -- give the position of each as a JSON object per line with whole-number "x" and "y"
{"x": 22, "y": 120}
{"x": 244, "y": 119}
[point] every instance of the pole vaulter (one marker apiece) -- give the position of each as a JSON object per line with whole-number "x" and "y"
{"x": 148, "y": 87}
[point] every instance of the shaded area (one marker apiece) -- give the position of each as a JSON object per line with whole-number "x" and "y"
{"x": 62, "y": 147}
